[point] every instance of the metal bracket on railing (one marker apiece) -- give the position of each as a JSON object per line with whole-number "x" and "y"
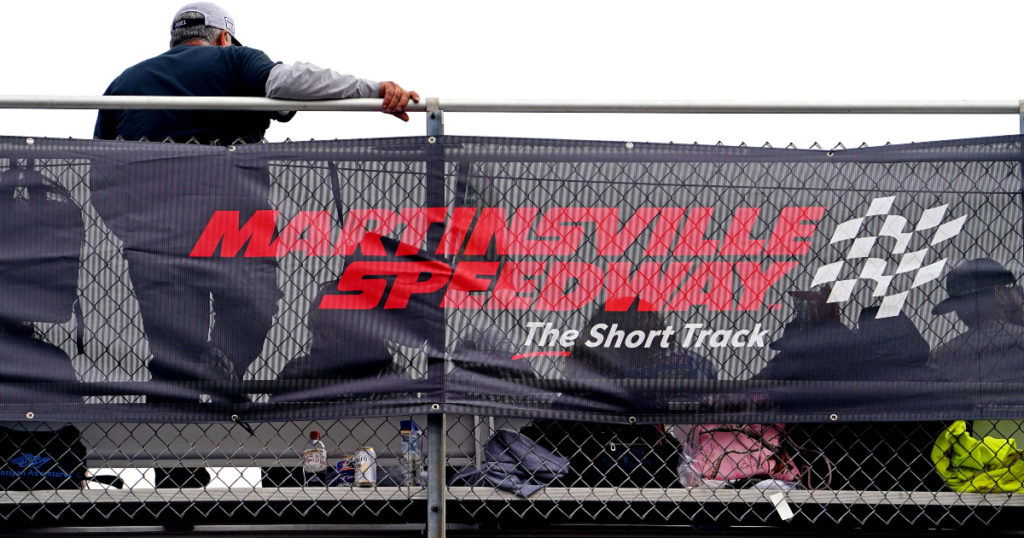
{"x": 435, "y": 122}
{"x": 1020, "y": 105}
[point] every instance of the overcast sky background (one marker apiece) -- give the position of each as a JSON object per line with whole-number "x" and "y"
{"x": 551, "y": 49}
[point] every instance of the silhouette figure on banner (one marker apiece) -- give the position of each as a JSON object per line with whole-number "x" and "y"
{"x": 651, "y": 368}
{"x": 985, "y": 296}
{"x": 816, "y": 345}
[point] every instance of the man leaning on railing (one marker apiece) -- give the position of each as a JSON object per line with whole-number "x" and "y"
{"x": 145, "y": 202}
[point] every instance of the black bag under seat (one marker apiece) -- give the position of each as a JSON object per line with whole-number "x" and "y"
{"x": 41, "y": 459}
{"x": 610, "y": 455}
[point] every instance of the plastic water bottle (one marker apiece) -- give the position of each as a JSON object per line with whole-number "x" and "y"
{"x": 412, "y": 452}
{"x": 314, "y": 460}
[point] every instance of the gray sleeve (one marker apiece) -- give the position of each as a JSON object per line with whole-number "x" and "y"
{"x": 306, "y": 81}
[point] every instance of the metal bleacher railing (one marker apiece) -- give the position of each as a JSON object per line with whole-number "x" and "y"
{"x": 241, "y": 487}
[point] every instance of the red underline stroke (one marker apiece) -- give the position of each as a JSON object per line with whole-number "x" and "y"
{"x": 540, "y": 354}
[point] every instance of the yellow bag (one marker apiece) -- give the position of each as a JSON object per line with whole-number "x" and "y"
{"x": 968, "y": 465}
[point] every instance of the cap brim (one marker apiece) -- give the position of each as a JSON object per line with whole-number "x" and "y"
{"x": 952, "y": 303}
{"x": 236, "y": 42}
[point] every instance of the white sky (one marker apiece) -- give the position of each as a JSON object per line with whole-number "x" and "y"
{"x": 552, "y": 49}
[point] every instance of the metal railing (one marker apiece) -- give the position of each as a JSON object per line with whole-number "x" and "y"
{"x": 564, "y": 503}
{"x": 516, "y": 106}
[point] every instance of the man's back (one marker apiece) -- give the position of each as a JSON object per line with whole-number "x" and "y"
{"x": 191, "y": 71}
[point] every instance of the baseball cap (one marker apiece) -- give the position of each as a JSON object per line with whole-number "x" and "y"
{"x": 214, "y": 16}
{"x": 971, "y": 277}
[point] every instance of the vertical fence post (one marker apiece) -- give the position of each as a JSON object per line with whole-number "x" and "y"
{"x": 436, "y": 435}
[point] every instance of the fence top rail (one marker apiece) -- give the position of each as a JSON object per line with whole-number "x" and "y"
{"x": 69, "y": 102}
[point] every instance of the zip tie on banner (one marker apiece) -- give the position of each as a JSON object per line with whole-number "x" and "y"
{"x": 781, "y": 506}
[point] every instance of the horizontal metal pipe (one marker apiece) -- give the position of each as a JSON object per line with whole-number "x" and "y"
{"x": 141, "y": 102}
{"x": 735, "y": 107}
{"x": 516, "y": 106}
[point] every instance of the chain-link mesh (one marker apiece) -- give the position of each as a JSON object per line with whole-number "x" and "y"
{"x": 195, "y": 473}
{"x": 117, "y": 347}
{"x": 115, "y": 364}
{"x": 712, "y": 468}
{"x": 829, "y": 475}
{"x": 681, "y": 239}
{"x": 839, "y": 473}
{"x": 236, "y": 472}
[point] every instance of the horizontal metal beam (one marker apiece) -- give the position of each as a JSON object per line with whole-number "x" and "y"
{"x": 735, "y": 107}
{"x": 192, "y": 495}
{"x": 140, "y": 102}
{"x": 740, "y": 496}
{"x": 488, "y": 494}
{"x": 514, "y": 106}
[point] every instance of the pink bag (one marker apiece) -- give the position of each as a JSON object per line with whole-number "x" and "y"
{"x": 736, "y": 451}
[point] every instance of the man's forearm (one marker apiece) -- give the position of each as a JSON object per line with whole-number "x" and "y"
{"x": 306, "y": 81}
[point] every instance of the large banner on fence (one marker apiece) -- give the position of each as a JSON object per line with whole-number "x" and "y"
{"x": 560, "y": 279}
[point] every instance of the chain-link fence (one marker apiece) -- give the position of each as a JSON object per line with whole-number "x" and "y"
{"x": 859, "y": 474}
{"x": 684, "y": 455}
{"x": 829, "y": 476}
{"x": 173, "y": 474}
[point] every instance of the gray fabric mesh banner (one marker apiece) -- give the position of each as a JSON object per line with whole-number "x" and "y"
{"x": 534, "y": 278}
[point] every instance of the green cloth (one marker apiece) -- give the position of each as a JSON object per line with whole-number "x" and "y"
{"x": 968, "y": 465}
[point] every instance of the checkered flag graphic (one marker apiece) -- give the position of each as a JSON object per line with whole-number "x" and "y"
{"x": 874, "y": 269}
